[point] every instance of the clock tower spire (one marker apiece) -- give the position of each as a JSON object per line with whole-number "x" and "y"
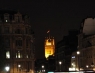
{"x": 49, "y": 45}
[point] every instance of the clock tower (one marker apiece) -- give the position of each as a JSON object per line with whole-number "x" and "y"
{"x": 49, "y": 46}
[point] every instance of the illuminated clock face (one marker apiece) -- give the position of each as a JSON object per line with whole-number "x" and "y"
{"x": 48, "y": 43}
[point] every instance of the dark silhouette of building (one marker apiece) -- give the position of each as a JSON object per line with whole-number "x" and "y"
{"x": 18, "y": 38}
{"x": 48, "y": 63}
{"x": 51, "y": 63}
{"x": 64, "y": 49}
{"x": 41, "y": 65}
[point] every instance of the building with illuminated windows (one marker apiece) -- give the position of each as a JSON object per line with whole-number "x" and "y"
{"x": 17, "y": 35}
{"x": 49, "y": 46}
{"x": 85, "y": 60}
{"x": 86, "y": 44}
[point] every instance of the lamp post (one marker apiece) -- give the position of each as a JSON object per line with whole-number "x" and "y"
{"x": 60, "y": 64}
{"x": 78, "y": 53}
{"x": 87, "y": 66}
{"x": 19, "y": 66}
{"x": 42, "y": 68}
{"x": 7, "y": 68}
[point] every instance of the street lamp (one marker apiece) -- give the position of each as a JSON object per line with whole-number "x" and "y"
{"x": 78, "y": 53}
{"x": 19, "y": 67}
{"x": 60, "y": 64}
{"x": 7, "y": 68}
{"x": 42, "y": 68}
{"x": 87, "y": 66}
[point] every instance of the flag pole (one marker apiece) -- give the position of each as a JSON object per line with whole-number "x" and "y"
{"x": 48, "y": 33}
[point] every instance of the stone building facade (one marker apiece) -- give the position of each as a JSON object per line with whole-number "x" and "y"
{"x": 87, "y": 51}
{"x": 16, "y": 31}
{"x": 86, "y": 45}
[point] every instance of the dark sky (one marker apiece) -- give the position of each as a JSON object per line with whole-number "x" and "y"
{"x": 57, "y": 15}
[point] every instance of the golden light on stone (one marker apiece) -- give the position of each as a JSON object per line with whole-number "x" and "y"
{"x": 49, "y": 47}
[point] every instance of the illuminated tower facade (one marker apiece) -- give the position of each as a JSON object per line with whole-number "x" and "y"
{"x": 49, "y": 46}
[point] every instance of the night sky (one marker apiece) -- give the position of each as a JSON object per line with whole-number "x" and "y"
{"x": 58, "y": 16}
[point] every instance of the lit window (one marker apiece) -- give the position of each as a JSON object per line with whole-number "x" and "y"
{"x": 6, "y": 20}
{"x": 27, "y": 56}
{"x": 73, "y": 56}
{"x": 16, "y": 55}
{"x": 7, "y": 54}
{"x": 19, "y": 55}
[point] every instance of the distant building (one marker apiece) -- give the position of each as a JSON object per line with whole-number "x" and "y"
{"x": 18, "y": 37}
{"x": 49, "y": 64}
{"x": 74, "y": 62}
{"x": 64, "y": 49}
{"x": 49, "y": 46}
{"x": 41, "y": 65}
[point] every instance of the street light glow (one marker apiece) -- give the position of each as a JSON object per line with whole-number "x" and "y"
{"x": 87, "y": 66}
{"x": 19, "y": 65}
{"x": 7, "y": 68}
{"x": 78, "y": 52}
{"x": 60, "y": 62}
{"x": 42, "y": 66}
